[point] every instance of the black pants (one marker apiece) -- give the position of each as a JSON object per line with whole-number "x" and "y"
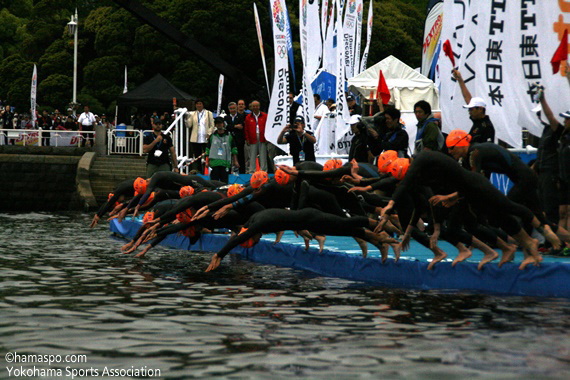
{"x": 87, "y": 128}
{"x": 220, "y": 173}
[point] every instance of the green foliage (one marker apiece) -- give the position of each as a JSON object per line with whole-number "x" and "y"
{"x": 35, "y": 31}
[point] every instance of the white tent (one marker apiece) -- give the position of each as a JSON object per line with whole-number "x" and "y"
{"x": 407, "y": 86}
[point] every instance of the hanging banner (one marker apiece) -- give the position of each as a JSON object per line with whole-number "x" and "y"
{"x": 260, "y": 41}
{"x": 290, "y": 46}
{"x": 278, "y": 115}
{"x": 125, "y": 88}
{"x": 349, "y": 29}
{"x": 33, "y": 93}
{"x": 501, "y": 49}
{"x": 328, "y": 141}
{"x": 364, "y": 60}
{"x": 311, "y": 42}
{"x": 342, "y": 112}
{"x": 359, "y": 15}
{"x": 432, "y": 33}
{"x": 330, "y": 44}
{"x": 324, "y": 19}
{"x": 220, "y": 91}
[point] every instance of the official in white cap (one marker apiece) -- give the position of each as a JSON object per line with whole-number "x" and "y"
{"x": 482, "y": 129}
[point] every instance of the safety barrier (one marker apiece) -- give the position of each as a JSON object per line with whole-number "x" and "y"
{"x": 40, "y": 137}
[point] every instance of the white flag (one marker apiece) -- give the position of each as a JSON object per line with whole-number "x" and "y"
{"x": 359, "y": 12}
{"x": 125, "y": 88}
{"x": 349, "y": 35}
{"x": 33, "y": 96}
{"x": 342, "y": 112}
{"x": 260, "y": 41}
{"x": 220, "y": 90}
{"x": 330, "y": 44}
{"x": 310, "y": 31}
{"x": 278, "y": 115}
{"x": 364, "y": 59}
{"x": 324, "y": 18}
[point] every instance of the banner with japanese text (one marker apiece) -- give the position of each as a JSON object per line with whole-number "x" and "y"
{"x": 503, "y": 47}
{"x": 278, "y": 115}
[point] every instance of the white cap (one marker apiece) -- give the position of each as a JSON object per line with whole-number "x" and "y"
{"x": 476, "y": 102}
{"x": 354, "y": 119}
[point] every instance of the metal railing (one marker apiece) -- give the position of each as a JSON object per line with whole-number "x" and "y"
{"x": 40, "y": 137}
{"x": 125, "y": 141}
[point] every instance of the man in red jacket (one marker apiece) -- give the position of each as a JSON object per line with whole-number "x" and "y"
{"x": 255, "y": 137}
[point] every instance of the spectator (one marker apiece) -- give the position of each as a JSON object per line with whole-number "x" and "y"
{"x": 221, "y": 152}
{"x": 301, "y": 142}
{"x": 200, "y": 124}
{"x": 160, "y": 151}
{"x": 482, "y": 129}
{"x": 46, "y": 124}
{"x": 234, "y": 124}
{"x": 320, "y": 111}
{"x": 293, "y": 108}
{"x": 256, "y": 144}
{"x": 241, "y": 110}
{"x": 69, "y": 124}
{"x": 428, "y": 136}
{"x": 396, "y": 137}
{"x": 86, "y": 124}
{"x": 7, "y": 117}
{"x": 358, "y": 146}
{"x": 354, "y": 108}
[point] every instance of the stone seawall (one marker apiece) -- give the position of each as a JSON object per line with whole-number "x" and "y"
{"x": 39, "y": 179}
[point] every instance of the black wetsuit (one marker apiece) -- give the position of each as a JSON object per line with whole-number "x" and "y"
{"x": 435, "y": 169}
{"x": 125, "y": 189}
{"x": 275, "y": 220}
{"x": 174, "y": 181}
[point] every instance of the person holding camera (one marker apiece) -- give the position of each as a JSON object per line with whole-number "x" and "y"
{"x": 160, "y": 151}
{"x": 301, "y": 142}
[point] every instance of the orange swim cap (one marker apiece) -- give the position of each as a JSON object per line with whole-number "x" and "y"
{"x": 331, "y": 164}
{"x": 148, "y": 217}
{"x": 399, "y": 168}
{"x": 249, "y": 242}
{"x": 140, "y": 185}
{"x": 185, "y": 216}
{"x": 186, "y": 191}
{"x": 281, "y": 177}
{"x": 258, "y": 179}
{"x": 385, "y": 159}
{"x": 234, "y": 189}
{"x": 457, "y": 137}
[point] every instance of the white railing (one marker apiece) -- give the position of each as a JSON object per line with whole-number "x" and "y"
{"x": 125, "y": 141}
{"x": 40, "y": 137}
{"x": 181, "y": 139}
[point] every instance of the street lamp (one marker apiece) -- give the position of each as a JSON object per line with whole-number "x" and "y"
{"x": 72, "y": 28}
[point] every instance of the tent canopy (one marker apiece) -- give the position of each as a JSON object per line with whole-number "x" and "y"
{"x": 157, "y": 92}
{"x": 407, "y": 86}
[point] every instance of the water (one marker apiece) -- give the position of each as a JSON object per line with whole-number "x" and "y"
{"x": 66, "y": 290}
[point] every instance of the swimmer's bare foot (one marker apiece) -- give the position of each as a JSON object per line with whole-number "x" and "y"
{"x": 278, "y": 237}
{"x": 551, "y": 237}
{"x": 464, "y": 254}
{"x": 384, "y": 252}
{"x": 526, "y": 261}
{"x": 127, "y": 246}
{"x": 508, "y": 254}
{"x": 487, "y": 258}
{"x": 321, "y": 240}
{"x": 363, "y": 246}
{"x": 438, "y": 256}
{"x": 144, "y": 251}
{"x": 397, "y": 248}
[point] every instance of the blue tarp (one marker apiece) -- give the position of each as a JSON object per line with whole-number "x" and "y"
{"x": 549, "y": 280}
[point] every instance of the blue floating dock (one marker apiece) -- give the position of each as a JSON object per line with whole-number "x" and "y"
{"x": 551, "y": 279}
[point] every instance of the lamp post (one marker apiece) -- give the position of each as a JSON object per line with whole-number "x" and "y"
{"x": 72, "y": 28}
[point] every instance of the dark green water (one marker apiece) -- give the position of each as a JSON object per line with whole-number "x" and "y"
{"x": 67, "y": 290}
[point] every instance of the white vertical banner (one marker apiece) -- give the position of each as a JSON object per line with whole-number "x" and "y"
{"x": 278, "y": 115}
{"x": 358, "y": 40}
{"x": 125, "y": 88}
{"x": 364, "y": 60}
{"x": 324, "y": 18}
{"x": 260, "y": 41}
{"x": 220, "y": 92}
{"x": 305, "y": 14}
{"x": 342, "y": 112}
{"x": 330, "y": 43}
{"x": 501, "y": 48}
{"x": 432, "y": 33}
{"x": 349, "y": 29}
{"x": 33, "y": 93}
{"x": 310, "y": 30}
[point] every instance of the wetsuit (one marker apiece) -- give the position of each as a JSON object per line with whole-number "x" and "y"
{"x": 275, "y": 220}
{"x": 174, "y": 181}
{"x": 125, "y": 189}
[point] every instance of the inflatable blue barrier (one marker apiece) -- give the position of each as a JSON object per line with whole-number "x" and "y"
{"x": 551, "y": 279}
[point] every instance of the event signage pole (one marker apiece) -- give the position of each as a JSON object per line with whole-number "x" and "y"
{"x": 73, "y": 27}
